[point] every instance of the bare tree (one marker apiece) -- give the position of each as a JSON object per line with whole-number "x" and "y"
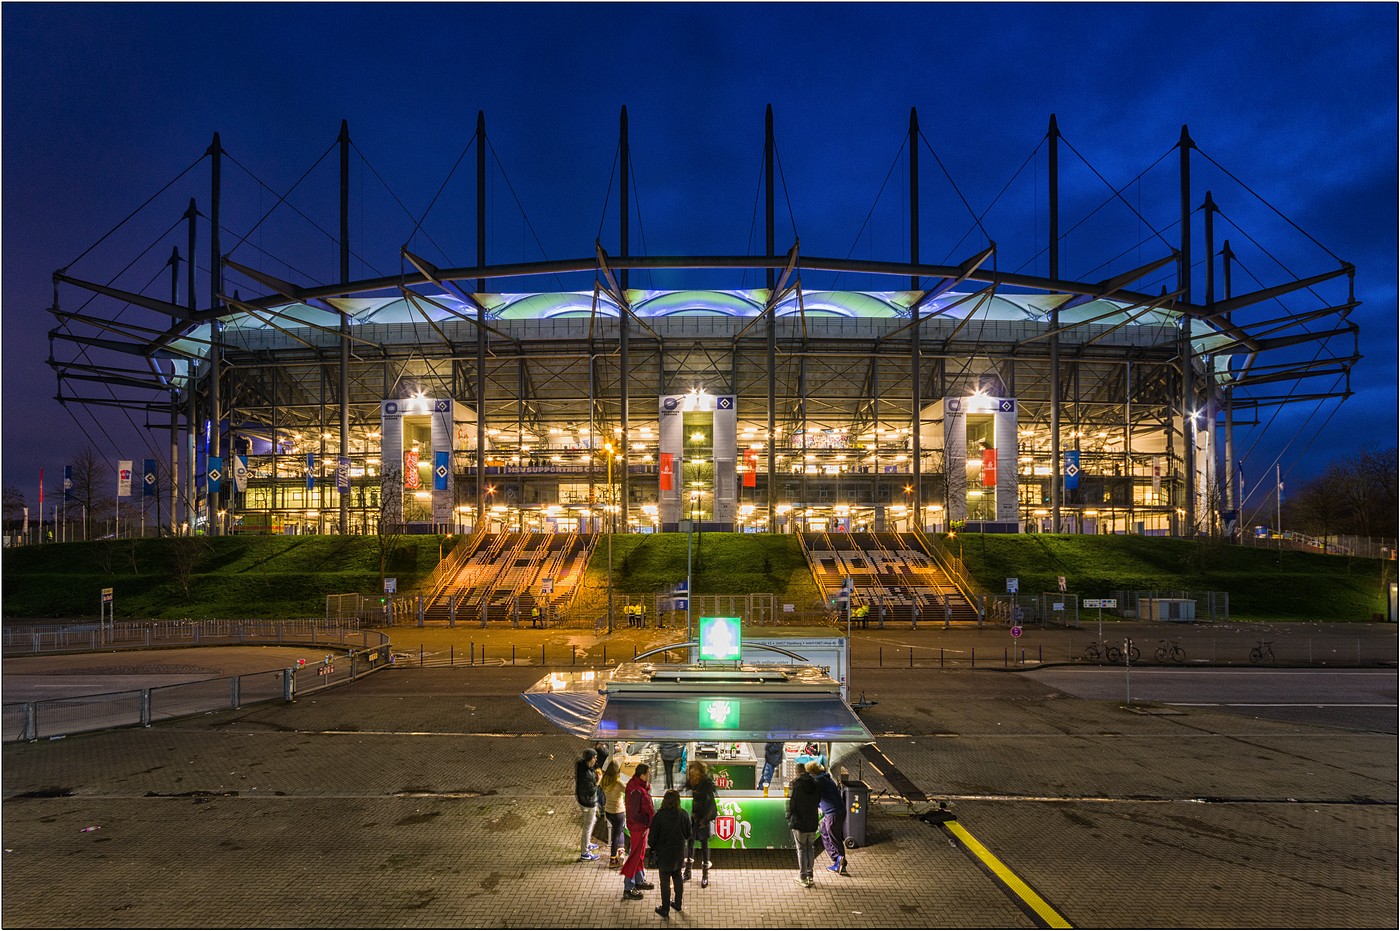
{"x": 13, "y": 510}
{"x": 94, "y": 488}
{"x": 185, "y": 554}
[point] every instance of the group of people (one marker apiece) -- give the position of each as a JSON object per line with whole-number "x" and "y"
{"x": 636, "y": 614}
{"x": 815, "y": 806}
{"x": 636, "y": 826}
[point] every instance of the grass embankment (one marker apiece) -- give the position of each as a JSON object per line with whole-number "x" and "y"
{"x": 1262, "y": 584}
{"x": 272, "y": 577}
{"x": 215, "y": 577}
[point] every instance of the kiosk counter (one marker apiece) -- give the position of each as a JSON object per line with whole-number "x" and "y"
{"x": 725, "y": 717}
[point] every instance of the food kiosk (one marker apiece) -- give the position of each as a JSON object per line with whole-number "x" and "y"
{"x": 724, "y": 711}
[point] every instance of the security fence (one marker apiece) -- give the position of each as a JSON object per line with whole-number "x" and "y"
{"x": 351, "y": 654}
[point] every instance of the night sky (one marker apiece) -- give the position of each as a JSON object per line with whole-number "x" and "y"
{"x": 105, "y": 104}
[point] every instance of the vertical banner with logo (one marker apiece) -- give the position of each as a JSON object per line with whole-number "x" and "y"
{"x": 123, "y": 478}
{"x": 750, "y": 468}
{"x": 310, "y": 471}
{"x": 41, "y": 497}
{"x": 1071, "y": 469}
{"x": 1156, "y": 476}
{"x": 410, "y": 469}
{"x": 442, "y": 468}
{"x": 668, "y": 471}
{"x": 342, "y": 475}
{"x": 216, "y": 474}
{"x": 989, "y": 468}
{"x": 67, "y": 483}
{"x": 240, "y": 474}
{"x": 148, "y": 478}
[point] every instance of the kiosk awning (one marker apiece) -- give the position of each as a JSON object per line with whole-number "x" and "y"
{"x": 575, "y": 712}
{"x": 721, "y": 717}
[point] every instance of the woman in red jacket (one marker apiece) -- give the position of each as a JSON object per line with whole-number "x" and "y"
{"x": 639, "y": 814}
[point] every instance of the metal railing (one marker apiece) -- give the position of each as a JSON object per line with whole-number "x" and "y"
{"x": 356, "y": 653}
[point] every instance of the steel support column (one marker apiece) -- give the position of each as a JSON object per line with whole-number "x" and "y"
{"x": 1188, "y": 420}
{"x": 1053, "y": 190}
{"x": 344, "y": 493}
{"x": 772, "y": 324}
{"x": 480, "y": 322}
{"x": 916, "y": 398}
{"x": 624, "y": 310}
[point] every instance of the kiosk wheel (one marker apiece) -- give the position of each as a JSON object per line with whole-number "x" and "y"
{"x": 850, "y": 843}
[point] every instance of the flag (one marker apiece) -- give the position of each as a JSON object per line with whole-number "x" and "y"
{"x": 750, "y": 468}
{"x": 441, "y": 469}
{"x": 41, "y": 496}
{"x": 668, "y": 471}
{"x": 148, "y": 478}
{"x": 410, "y": 469}
{"x": 240, "y": 473}
{"x": 989, "y": 468}
{"x": 67, "y": 483}
{"x": 310, "y": 471}
{"x": 342, "y": 475}
{"x": 1071, "y": 469}
{"x": 123, "y": 478}
{"x": 216, "y": 474}
{"x": 1156, "y": 476}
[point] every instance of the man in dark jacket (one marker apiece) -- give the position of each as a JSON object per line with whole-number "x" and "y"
{"x": 772, "y": 759}
{"x": 669, "y": 836}
{"x": 833, "y": 826}
{"x": 586, "y": 794}
{"x": 804, "y": 798}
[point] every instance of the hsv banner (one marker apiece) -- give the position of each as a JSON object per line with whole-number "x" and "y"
{"x": 148, "y": 478}
{"x": 240, "y": 473}
{"x": 1071, "y": 470}
{"x": 989, "y": 468}
{"x": 668, "y": 471}
{"x": 216, "y": 474}
{"x": 310, "y": 471}
{"x": 124, "y": 478}
{"x": 441, "y": 469}
{"x": 342, "y": 475}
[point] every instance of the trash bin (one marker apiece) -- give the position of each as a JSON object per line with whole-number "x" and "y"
{"x": 857, "y": 796}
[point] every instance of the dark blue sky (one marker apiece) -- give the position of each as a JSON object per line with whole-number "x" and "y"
{"x": 104, "y": 104}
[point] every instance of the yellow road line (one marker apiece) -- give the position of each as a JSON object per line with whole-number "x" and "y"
{"x": 1052, "y": 918}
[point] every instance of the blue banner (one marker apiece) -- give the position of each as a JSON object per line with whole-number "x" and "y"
{"x": 342, "y": 475}
{"x": 67, "y": 483}
{"x": 1071, "y": 469}
{"x": 310, "y": 471}
{"x": 216, "y": 474}
{"x": 441, "y": 469}
{"x": 148, "y": 478}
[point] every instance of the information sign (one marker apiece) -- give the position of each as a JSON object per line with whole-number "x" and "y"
{"x": 1013, "y": 586}
{"x": 719, "y": 638}
{"x": 391, "y": 586}
{"x": 106, "y": 596}
{"x": 1099, "y": 603}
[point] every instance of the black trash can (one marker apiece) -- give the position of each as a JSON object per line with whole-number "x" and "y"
{"x": 857, "y": 796}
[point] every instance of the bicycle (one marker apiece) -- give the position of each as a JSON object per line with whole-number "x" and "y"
{"x": 1134, "y": 654}
{"x": 1099, "y": 650}
{"x": 1174, "y": 652}
{"x": 1263, "y": 651}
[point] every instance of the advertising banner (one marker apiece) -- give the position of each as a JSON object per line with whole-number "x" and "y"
{"x": 989, "y": 468}
{"x": 215, "y": 474}
{"x": 310, "y": 471}
{"x": 240, "y": 473}
{"x": 668, "y": 471}
{"x": 67, "y": 483}
{"x": 410, "y": 469}
{"x": 441, "y": 469}
{"x": 123, "y": 478}
{"x": 750, "y": 468}
{"x": 342, "y": 475}
{"x": 1071, "y": 469}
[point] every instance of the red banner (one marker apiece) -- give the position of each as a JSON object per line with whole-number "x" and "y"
{"x": 410, "y": 469}
{"x": 668, "y": 470}
{"x": 989, "y": 468}
{"x": 750, "y": 468}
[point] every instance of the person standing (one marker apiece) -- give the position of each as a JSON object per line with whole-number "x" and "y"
{"x": 772, "y": 759}
{"x": 669, "y": 837}
{"x": 586, "y": 793}
{"x": 833, "y": 808}
{"x": 802, "y": 817}
{"x": 670, "y": 752}
{"x": 703, "y": 812}
{"x": 614, "y": 810}
{"x": 639, "y": 812}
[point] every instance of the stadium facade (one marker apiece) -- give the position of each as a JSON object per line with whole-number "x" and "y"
{"x": 941, "y": 396}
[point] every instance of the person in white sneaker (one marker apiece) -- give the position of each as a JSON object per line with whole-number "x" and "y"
{"x": 833, "y": 808}
{"x": 586, "y": 793}
{"x": 802, "y": 817}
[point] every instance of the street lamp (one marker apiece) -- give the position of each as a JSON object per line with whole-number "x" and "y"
{"x": 608, "y": 449}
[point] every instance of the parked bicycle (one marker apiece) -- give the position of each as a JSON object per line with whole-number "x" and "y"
{"x": 1110, "y": 652}
{"x": 1264, "y": 651}
{"x": 1172, "y": 652}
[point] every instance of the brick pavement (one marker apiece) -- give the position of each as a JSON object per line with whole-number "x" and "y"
{"x": 437, "y": 798}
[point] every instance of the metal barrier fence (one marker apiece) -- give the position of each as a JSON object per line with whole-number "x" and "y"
{"x": 364, "y": 651}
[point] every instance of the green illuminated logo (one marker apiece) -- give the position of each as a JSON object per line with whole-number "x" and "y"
{"x": 719, "y": 638}
{"x": 719, "y": 714}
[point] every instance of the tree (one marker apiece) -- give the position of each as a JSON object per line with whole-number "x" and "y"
{"x": 13, "y": 511}
{"x": 94, "y": 488}
{"x": 1356, "y": 495}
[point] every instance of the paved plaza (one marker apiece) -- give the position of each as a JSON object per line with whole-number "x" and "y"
{"x": 432, "y": 796}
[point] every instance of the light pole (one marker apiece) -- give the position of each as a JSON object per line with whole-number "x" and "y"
{"x": 608, "y": 449}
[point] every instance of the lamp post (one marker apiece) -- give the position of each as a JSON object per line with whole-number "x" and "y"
{"x": 608, "y": 449}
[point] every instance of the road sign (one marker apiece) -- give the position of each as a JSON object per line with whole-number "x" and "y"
{"x": 391, "y": 586}
{"x": 1013, "y": 586}
{"x": 546, "y": 586}
{"x": 106, "y": 596}
{"x": 1016, "y": 631}
{"x": 1099, "y": 603}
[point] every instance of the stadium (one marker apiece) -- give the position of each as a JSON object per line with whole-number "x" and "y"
{"x": 922, "y": 397}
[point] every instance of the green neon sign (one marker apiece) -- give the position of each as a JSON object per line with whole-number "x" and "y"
{"x": 719, "y": 714}
{"x": 719, "y": 638}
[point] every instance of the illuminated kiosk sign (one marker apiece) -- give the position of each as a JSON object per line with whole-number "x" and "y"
{"x": 719, "y": 714}
{"x": 719, "y": 639}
